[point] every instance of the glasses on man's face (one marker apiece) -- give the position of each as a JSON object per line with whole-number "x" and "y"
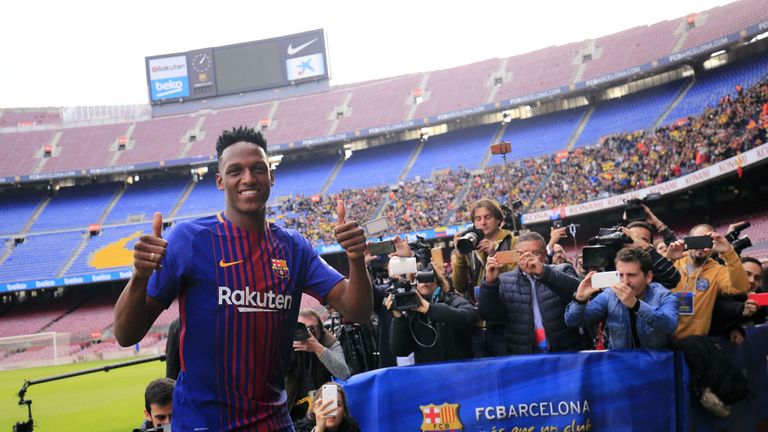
{"x": 537, "y": 252}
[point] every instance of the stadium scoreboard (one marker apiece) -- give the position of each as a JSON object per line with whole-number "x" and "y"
{"x": 239, "y": 68}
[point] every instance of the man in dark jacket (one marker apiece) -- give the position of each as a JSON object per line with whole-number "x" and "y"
{"x": 531, "y": 300}
{"x": 439, "y": 329}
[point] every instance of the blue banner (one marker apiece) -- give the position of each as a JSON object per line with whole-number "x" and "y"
{"x": 611, "y": 390}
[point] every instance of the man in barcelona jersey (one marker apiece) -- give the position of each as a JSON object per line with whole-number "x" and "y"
{"x": 239, "y": 280}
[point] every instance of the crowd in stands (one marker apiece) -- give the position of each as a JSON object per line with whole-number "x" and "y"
{"x": 620, "y": 163}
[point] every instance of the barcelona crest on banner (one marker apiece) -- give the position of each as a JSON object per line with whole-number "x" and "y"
{"x": 279, "y": 268}
{"x": 443, "y": 417}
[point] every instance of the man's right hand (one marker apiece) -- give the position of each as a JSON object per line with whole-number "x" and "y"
{"x": 388, "y": 305}
{"x": 492, "y": 270}
{"x": 149, "y": 250}
{"x": 585, "y": 289}
{"x": 555, "y": 234}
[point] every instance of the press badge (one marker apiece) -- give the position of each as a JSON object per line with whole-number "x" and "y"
{"x": 684, "y": 302}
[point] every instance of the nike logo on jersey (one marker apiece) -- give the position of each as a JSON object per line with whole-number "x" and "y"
{"x": 292, "y": 50}
{"x": 224, "y": 264}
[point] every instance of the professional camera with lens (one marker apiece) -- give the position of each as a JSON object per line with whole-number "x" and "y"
{"x": 404, "y": 297}
{"x": 603, "y": 248}
{"x": 739, "y": 244}
{"x": 468, "y": 240}
{"x": 634, "y": 210}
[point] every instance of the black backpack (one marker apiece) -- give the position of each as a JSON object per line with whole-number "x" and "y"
{"x": 712, "y": 367}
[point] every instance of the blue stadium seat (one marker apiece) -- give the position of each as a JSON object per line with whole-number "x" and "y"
{"x": 83, "y": 263}
{"x": 305, "y": 177}
{"x": 464, "y": 148}
{"x": 15, "y": 211}
{"x": 380, "y": 165}
{"x": 712, "y": 85}
{"x": 142, "y": 199}
{"x": 540, "y": 135}
{"x": 75, "y": 207}
{"x": 40, "y": 256}
{"x": 636, "y": 111}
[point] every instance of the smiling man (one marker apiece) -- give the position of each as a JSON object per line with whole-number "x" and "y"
{"x": 239, "y": 280}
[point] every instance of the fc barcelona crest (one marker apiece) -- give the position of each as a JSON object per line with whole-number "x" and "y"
{"x": 443, "y": 417}
{"x": 280, "y": 268}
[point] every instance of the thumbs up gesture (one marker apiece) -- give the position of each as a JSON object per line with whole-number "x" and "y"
{"x": 350, "y": 235}
{"x": 149, "y": 250}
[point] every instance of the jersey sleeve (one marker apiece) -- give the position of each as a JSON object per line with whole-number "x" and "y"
{"x": 318, "y": 276}
{"x": 164, "y": 283}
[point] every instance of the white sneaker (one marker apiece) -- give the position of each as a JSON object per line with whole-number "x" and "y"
{"x": 713, "y": 404}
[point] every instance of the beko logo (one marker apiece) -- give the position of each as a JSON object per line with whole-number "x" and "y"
{"x": 168, "y": 87}
{"x": 254, "y": 301}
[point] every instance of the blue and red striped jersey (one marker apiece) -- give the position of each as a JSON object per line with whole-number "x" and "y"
{"x": 239, "y": 297}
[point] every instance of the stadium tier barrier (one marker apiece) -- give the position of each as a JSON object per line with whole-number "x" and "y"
{"x": 637, "y": 390}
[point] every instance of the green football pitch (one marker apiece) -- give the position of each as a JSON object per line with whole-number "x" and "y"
{"x": 101, "y": 401}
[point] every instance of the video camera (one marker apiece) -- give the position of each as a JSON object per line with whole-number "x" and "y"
{"x": 634, "y": 210}
{"x": 512, "y": 221}
{"x": 739, "y": 244}
{"x": 603, "y": 248}
{"x": 405, "y": 298}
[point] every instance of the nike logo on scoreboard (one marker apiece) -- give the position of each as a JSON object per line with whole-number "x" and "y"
{"x": 292, "y": 50}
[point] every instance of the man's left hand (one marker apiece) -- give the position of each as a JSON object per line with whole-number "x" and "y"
{"x": 486, "y": 246}
{"x": 349, "y": 235}
{"x": 625, "y": 294}
{"x": 720, "y": 244}
{"x": 423, "y": 304}
{"x": 309, "y": 345}
{"x": 636, "y": 239}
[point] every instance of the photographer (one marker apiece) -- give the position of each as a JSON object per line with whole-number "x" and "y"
{"x": 158, "y": 405}
{"x": 664, "y": 271}
{"x": 469, "y": 272}
{"x": 703, "y": 279}
{"x": 639, "y": 313}
{"x": 314, "y": 361}
{"x": 531, "y": 300}
{"x": 438, "y": 329}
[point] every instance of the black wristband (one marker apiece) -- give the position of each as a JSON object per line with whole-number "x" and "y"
{"x": 581, "y": 302}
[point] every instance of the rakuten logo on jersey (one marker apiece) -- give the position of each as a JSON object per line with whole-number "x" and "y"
{"x": 254, "y": 301}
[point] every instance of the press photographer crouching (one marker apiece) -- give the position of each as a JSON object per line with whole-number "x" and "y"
{"x": 433, "y": 323}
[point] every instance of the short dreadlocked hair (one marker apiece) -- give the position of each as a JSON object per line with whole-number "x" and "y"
{"x": 239, "y": 134}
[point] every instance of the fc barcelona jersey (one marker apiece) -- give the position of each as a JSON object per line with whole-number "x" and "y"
{"x": 239, "y": 297}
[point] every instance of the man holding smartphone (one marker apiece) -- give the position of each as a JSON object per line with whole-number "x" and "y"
{"x": 702, "y": 279}
{"x": 639, "y": 313}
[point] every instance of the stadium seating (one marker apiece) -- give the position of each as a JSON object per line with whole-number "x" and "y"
{"x": 304, "y": 117}
{"x": 110, "y": 250}
{"x": 390, "y": 107}
{"x": 636, "y": 111}
{"x": 541, "y": 135}
{"x": 140, "y": 200}
{"x": 540, "y": 70}
{"x": 224, "y": 119}
{"x": 22, "y": 151}
{"x": 204, "y": 199}
{"x": 157, "y": 140}
{"x": 76, "y": 207}
{"x": 380, "y": 165}
{"x": 724, "y": 20}
{"x": 304, "y": 177}
{"x": 40, "y": 256}
{"x": 82, "y": 147}
{"x": 711, "y": 86}
{"x": 10, "y": 118}
{"x": 631, "y": 47}
{"x": 36, "y": 314}
{"x": 16, "y": 209}
{"x": 442, "y": 95}
{"x": 462, "y": 148}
